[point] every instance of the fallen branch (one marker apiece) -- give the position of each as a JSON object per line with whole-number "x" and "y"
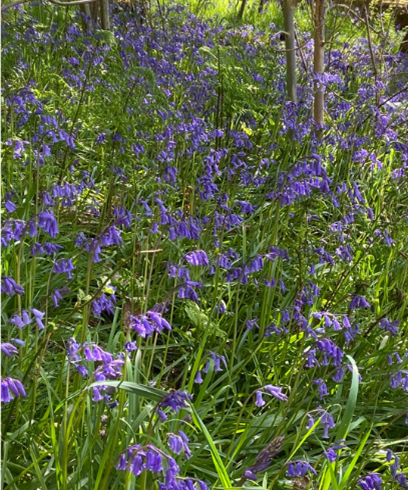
{"x": 55, "y": 2}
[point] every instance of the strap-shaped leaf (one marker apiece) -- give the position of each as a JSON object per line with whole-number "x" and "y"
{"x": 147, "y": 392}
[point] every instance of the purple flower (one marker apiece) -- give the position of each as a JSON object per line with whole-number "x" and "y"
{"x": 10, "y": 387}
{"x": 198, "y": 257}
{"x": 151, "y": 322}
{"x": 8, "y": 349}
{"x": 64, "y": 266}
{"x": 389, "y": 326}
{"x": 322, "y": 388}
{"x": 130, "y": 346}
{"x": 10, "y": 287}
{"x": 149, "y": 458}
{"x": 372, "y": 481}
{"x": 400, "y": 478}
{"x": 217, "y": 358}
{"x": 331, "y": 454}
{"x": 56, "y": 296}
{"x": 104, "y": 303}
{"x": 250, "y": 324}
{"x": 358, "y": 302}
{"x": 299, "y": 468}
{"x": 38, "y": 315}
{"x": 260, "y": 402}
{"x": 179, "y": 442}
{"x": 276, "y": 392}
{"x": 10, "y": 206}
{"x": 97, "y": 397}
{"x": 22, "y": 321}
{"x": 48, "y": 223}
{"x": 198, "y": 379}
{"x": 175, "y": 400}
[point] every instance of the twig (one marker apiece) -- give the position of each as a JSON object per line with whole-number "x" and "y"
{"x": 55, "y": 2}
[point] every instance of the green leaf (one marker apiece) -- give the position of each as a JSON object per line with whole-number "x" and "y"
{"x": 147, "y": 392}
{"x": 351, "y": 403}
{"x": 219, "y": 465}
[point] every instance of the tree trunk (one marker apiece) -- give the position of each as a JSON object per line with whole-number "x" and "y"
{"x": 86, "y": 15}
{"x": 289, "y": 24}
{"x": 241, "y": 10}
{"x": 318, "y": 64}
{"x": 94, "y": 12}
{"x": 105, "y": 21}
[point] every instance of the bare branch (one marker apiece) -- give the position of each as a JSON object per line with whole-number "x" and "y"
{"x": 55, "y": 2}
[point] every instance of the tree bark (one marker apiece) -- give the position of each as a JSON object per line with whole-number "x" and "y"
{"x": 289, "y": 24}
{"x": 241, "y": 10}
{"x": 105, "y": 21}
{"x": 86, "y": 15}
{"x": 318, "y": 64}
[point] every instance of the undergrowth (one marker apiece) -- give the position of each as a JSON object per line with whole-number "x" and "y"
{"x": 197, "y": 292}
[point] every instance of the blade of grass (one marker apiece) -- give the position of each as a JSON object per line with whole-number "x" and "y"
{"x": 219, "y": 466}
{"x": 351, "y": 403}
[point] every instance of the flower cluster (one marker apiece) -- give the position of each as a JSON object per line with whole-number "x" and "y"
{"x": 10, "y": 387}
{"x": 176, "y": 400}
{"x": 146, "y": 325}
{"x": 275, "y": 391}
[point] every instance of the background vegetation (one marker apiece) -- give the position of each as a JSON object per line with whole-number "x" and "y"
{"x": 197, "y": 290}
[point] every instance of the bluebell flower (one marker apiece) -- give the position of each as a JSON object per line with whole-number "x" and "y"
{"x": 322, "y": 388}
{"x": 104, "y": 303}
{"x": 358, "y": 302}
{"x": 217, "y": 358}
{"x": 130, "y": 346}
{"x": 64, "y": 266}
{"x": 8, "y": 349}
{"x": 299, "y": 469}
{"x": 260, "y": 402}
{"x": 246, "y": 207}
{"x": 51, "y": 248}
{"x": 56, "y": 296}
{"x": 330, "y": 455}
{"x": 48, "y": 223}
{"x": 176, "y": 400}
{"x": 389, "y": 326}
{"x": 179, "y": 442}
{"x": 139, "y": 458}
{"x": 197, "y": 257}
{"x": 372, "y": 481}
{"x": 221, "y": 308}
{"x": 21, "y": 321}
{"x": 10, "y": 206}
{"x": 38, "y": 316}
{"x": 276, "y": 392}
{"x": 97, "y": 397}
{"x": 146, "y": 325}
{"x": 255, "y": 265}
{"x": 400, "y": 478}
{"x": 10, "y": 287}
{"x": 10, "y": 387}
{"x": 250, "y": 324}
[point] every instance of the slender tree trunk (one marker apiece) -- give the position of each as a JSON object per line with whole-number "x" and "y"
{"x": 241, "y": 10}
{"x": 289, "y": 24}
{"x": 94, "y": 12}
{"x": 318, "y": 64}
{"x": 86, "y": 15}
{"x": 105, "y": 21}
